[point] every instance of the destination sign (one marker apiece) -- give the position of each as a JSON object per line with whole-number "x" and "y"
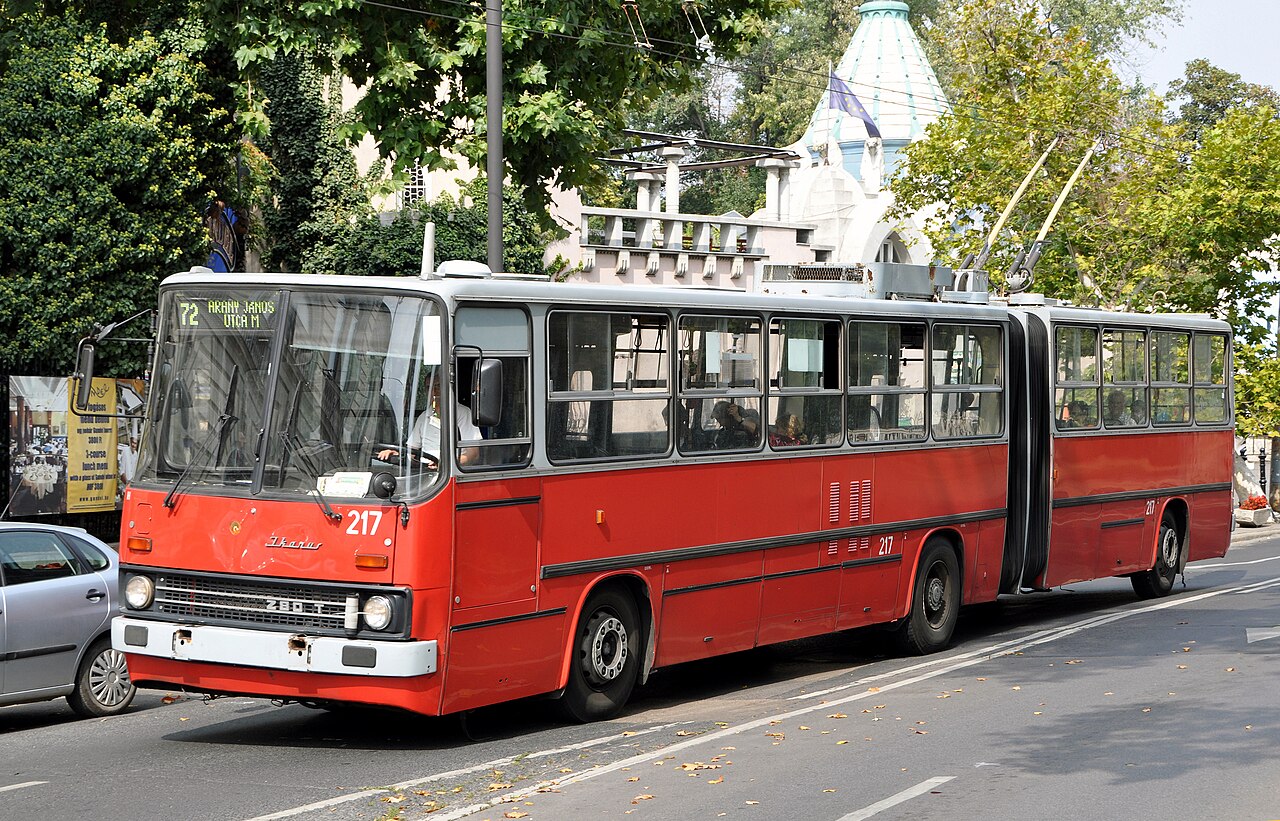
{"x": 223, "y": 313}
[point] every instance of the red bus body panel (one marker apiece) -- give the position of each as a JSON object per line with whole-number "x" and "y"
{"x": 1104, "y": 537}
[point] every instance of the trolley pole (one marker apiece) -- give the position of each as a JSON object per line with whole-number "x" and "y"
{"x": 493, "y": 99}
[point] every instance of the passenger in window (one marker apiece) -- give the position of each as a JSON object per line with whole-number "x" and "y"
{"x": 739, "y": 427}
{"x": 1076, "y": 415}
{"x": 1117, "y": 412}
{"x": 788, "y": 432}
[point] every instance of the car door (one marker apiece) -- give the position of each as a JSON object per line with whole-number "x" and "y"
{"x": 53, "y": 605}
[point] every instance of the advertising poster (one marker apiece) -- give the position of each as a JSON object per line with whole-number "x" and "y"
{"x": 92, "y": 469}
{"x": 62, "y": 463}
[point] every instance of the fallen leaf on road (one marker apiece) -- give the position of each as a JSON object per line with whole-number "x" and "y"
{"x": 628, "y": 733}
{"x": 169, "y": 699}
{"x": 842, "y": 742}
{"x": 392, "y": 799}
{"x": 722, "y": 724}
{"x": 1016, "y": 687}
{"x": 752, "y": 803}
{"x": 1182, "y": 666}
{"x": 837, "y": 715}
{"x": 639, "y": 798}
{"x": 515, "y": 814}
{"x": 1074, "y": 661}
{"x": 776, "y": 735}
{"x": 1186, "y": 649}
{"x": 634, "y": 778}
{"x": 828, "y": 790}
{"x": 496, "y": 787}
{"x": 719, "y": 780}
{"x": 1230, "y": 670}
{"x": 944, "y": 695}
{"x": 802, "y": 727}
{"x": 1146, "y": 709}
{"x": 1037, "y": 713}
{"x": 873, "y": 689}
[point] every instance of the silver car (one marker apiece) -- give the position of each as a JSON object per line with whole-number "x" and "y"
{"x": 58, "y": 592}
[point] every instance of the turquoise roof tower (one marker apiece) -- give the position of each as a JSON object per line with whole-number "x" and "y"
{"x": 885, "y": 66}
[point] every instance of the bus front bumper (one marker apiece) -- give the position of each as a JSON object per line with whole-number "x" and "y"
{"x": 273, "y": 651}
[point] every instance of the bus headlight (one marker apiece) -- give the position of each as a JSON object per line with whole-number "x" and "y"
{"x": 377, "y": 612}
{"x": 139, "y": 592}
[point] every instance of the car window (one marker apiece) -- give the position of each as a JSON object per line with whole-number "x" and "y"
{"x": 90, "y": 553}
{"x": 34, "y": 556}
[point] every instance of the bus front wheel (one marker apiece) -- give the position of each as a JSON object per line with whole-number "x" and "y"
{"x": 1158, "y": 581}
{"x": 935, "y": 601}
{"x": 606, "y": 657}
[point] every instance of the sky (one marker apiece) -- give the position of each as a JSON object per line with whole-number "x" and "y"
{"x": 1237, "y": 35}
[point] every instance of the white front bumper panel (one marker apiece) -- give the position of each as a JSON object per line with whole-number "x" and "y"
{"x": 274, "y": 651}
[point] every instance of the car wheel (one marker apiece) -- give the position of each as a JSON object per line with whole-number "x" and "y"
{"x": 103, "y": 687}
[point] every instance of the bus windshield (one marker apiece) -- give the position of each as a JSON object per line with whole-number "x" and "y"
{"x": 260, "y": 390}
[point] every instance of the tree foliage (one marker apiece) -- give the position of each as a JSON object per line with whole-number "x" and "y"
{"x": 371, "y": 246}
{"x": 1206, "y": 94}
{"x": 1175, "y": 213}
{"x": 571, "y": 74}
{"x": 1257, "y": 383}
{"x": 114, "y": 141}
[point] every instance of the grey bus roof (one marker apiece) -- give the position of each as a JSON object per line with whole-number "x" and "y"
{"x": 524, "y": 291}
{"x": 563, "y": 293}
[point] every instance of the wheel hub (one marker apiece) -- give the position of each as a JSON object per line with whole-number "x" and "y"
{"x": 608, "y": 651}
{"x": 1169, "y": 549}
{"x": 935, "y": 594}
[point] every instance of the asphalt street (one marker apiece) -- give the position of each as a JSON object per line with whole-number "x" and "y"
{"x": 1083, "y": 703}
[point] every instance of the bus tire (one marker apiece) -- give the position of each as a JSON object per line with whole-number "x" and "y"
{"x": 606, "y": 657}
{"x": 1158, "y": 581}
{"x": 935, "y": 601}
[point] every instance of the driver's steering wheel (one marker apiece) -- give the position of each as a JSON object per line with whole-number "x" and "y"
{"x": 432, "y": 460}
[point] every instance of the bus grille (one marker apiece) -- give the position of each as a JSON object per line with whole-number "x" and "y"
{"x": 266, "y": 604}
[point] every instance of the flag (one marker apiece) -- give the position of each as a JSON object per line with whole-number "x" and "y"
{"x": 842, "y": 99}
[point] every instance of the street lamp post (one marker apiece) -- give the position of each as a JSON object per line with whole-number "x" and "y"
{"x": 493, "y": 135}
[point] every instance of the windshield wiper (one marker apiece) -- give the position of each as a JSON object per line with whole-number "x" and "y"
{"x": 205, "y": 451}
{"x": 202, "y": 455}
{"x": 312, "y": 472}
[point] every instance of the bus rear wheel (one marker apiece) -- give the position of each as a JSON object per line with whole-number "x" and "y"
{"x": 935, "y": 601}
{"x": 606, "y": 657}
{"x": 1158, "y": 581}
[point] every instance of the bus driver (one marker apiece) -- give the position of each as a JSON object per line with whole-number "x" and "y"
{"x": 424, "y": 438}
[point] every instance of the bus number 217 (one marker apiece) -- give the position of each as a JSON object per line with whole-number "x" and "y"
{"x": 364, "y": 522}
{"x": 886, "y": 546}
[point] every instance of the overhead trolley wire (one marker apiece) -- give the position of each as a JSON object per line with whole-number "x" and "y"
{"x": 1048, "y": 126}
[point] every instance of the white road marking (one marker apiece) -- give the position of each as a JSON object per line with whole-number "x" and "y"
{"x": 1253, "y": 634}
{"x": 962, "y": 661}
{"x": 1235, "y": 564}
{"x": 488, "y": 765}
{"x": 23, "y": 784}
{"x": 896, "y": 799}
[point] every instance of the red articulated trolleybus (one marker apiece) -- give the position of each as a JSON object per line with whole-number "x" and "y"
{"x": 441, "y": 493}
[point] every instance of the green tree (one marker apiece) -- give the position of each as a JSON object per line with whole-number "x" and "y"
{"x": 1206, "y": 93}
{"x": 371, "y": 246}
{"x": 1257, "y": 391}
{"x": 571, "y": 74}
{"x": 111, "y": 150}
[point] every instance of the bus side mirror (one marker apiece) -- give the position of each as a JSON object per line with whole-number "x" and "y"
{"x": 84, "y": 373}
{"x": 486, "y": 393}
